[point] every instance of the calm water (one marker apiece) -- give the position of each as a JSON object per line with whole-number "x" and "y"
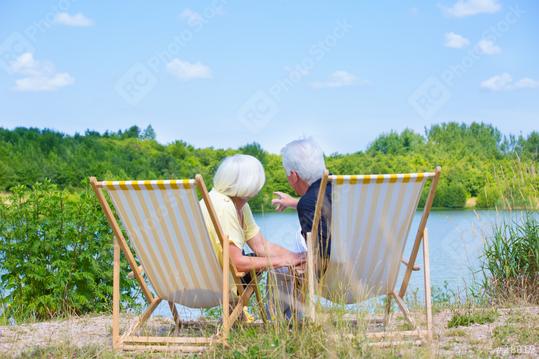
{"x": 455, "y": 237}
{"x": 456, "y": 240}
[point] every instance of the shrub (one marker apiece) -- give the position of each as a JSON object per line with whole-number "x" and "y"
{"x": 489, "y": 197}
{"x": 56, "y": 254}
{"x": 510, "y": 261}
{"x": 452, "y": 195}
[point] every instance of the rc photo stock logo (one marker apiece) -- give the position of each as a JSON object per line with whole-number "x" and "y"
{"x": 429, "y": 97}
{"x": 464, "y": 239}
{"x": 24, "y": 40}
{"x": 136, "y": 83}
{"x": 12, "y": 47}
{"x": 257, "y": 112}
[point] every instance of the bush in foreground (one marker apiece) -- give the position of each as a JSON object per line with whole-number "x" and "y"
{"x": 55, "y": 254}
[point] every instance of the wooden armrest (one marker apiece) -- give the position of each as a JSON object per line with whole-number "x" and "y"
{"x": 131, "y": 274}
{"x": 415, "y": 268}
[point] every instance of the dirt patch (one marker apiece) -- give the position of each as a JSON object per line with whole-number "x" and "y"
{"x": 514, "y": 333}
{"x": 483, "y": 339}
{"x": 79, "y": 332}
{"x": 471, "y": 202}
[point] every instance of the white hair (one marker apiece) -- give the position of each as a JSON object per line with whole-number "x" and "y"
{"x": 305, "y": 158}
{"x": 239, "y": 176}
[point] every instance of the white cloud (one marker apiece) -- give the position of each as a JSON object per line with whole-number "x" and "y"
{"x": 504, "y": 82}
{"x": 50, "y": 83}
{"x": 488, "y": 47}
{"x": 338, "y": 78}
{"x": 25, "y": 64}
{"x": 77, "y": 20}
{"x": 455, "y": 41}
{"x": 186, "y": 71}
{"x": 472, "y": 7}
{"x": 498, "y": 82}
{"x": 192, "y": 17}
{"x": 527, "y": 83}
{"x": 38, "y": 76}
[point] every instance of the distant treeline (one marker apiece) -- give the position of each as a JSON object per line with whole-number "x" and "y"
{"x": 477, "y": 161}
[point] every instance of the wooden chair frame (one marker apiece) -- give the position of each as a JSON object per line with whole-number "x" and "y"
{"x": 421, "y": 240}
{"x": 129, "y": 341}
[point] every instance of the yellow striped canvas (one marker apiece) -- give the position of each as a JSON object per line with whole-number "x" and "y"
{"x": 371, "y": 217}
{"x": 148, "y": 185}
{"x": 164, "y": 223}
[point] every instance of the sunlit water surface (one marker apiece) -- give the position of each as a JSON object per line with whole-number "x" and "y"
{"x": 455, "y": 237}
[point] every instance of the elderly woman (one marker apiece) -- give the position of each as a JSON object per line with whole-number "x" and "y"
{"x": 238, "y": 179}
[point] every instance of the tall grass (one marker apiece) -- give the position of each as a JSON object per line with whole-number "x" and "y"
{"x": 510, "y": 263}
{"x": 513, "y": 186}
{"x": 510, "y": 257}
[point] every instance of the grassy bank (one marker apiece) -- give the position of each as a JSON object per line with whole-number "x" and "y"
{"x": 481, "y": 324}
{"x": 486, "y": 333}
{"x": 55, "y": 255}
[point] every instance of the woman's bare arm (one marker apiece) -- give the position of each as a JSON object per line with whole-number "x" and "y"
{"x": 265, "y": 248}
{"x": 247, "y": 263}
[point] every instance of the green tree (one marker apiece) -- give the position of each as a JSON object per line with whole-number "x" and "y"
{"x": 254, "y": 149}
{"x": 470, "y": 154}
{"x": 530, "y": 146}
{"x": 148, "y": 133}
{"x": 394, "y": 143}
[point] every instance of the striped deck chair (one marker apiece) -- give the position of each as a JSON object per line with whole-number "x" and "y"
{"x": 371, "y": 216}
{"x": 165, "y": 226}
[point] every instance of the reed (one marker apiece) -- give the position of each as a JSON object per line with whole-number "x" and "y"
{"x": 510, "y": 264}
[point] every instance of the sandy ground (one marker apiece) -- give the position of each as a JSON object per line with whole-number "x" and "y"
{"x": 515, "y": 333}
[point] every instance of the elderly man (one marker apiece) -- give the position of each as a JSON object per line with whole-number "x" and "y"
{"x": 303, "y": 161}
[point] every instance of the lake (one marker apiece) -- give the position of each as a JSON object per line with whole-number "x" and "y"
{"x": 456, "y": 238}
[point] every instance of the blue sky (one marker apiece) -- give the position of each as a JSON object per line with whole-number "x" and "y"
{"x": 224, "y": 73}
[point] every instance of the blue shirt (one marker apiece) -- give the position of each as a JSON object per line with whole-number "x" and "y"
{"x": 306, "y": 208}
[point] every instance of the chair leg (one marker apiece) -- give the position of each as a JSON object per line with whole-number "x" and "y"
{"x": 387, "y": 312}
{"x": 116, "y": 296}
{"x": 404, "y": 309}
{"x": 176, "y": 316}
{"x": 310, "y": 278}
{"x": 243, "y": 300}
{"x": 226, "y": 288}
{"x": 143, "y": 318}
{"x": 426, "y": 273}
{"x": 259, "y": 298}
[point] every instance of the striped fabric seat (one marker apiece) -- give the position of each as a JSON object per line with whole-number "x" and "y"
{"x": 164, "y": 222}
{"x": 165, "y": 226}
{"x": 371, "y": 218}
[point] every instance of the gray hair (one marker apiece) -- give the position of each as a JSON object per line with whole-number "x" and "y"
{"x": 239, "y": 176}
{"x": 305, "y": 158}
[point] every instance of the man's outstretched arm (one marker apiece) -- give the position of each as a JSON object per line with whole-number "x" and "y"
{"x": 284, "y": 201}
